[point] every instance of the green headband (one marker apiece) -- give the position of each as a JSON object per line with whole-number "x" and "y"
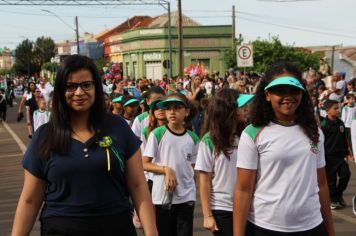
{"x": 130, "y": 101}
{"x": 118, "y": 99}
{"x": 165, "y": 103}
{"x": 285, "y": 80}
{"x": 244, "y": 99}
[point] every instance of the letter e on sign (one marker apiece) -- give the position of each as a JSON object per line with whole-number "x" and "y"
{"x": 244, "y": 56}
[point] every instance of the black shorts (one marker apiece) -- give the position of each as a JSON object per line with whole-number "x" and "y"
{"x": 88, "y": 226}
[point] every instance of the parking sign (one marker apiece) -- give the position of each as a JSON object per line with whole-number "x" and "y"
{"x": 244, "y": 56}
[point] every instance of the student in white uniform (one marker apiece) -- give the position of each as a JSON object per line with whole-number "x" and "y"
{"x": 170, "y": 154}
{"x": 281, "y": 186}
{"x": 142, "y": 120}
{"x": 130, "y": 107}
{"x": 347, "y": 114}
{"x": 353, "y": 136}
{"x": 216, "y": 161}
{"x": 157, "y": 118}
{"x": 41, "y": 115}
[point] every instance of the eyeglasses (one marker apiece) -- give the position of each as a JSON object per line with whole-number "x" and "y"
{"x": 85, "y": 86}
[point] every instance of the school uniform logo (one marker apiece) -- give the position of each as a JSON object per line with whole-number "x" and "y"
{"x": 189, "y": 157}
{"x": 313, "y": 147}
{"x": 342, "y": 129}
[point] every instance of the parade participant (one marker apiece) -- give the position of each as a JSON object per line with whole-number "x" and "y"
{"x": 3, "y": 105}
{"x": 157, "y": 118}
{"x": 216, "y": 161}
{"x": 130, "y": 106}
{"x": 117, "y": 105}
{"x": 170, "y": 154}
{"x": 26, "y": 96}
{"x": 197, "y": 90}
{"x": 118, "y": 88}
{"x": 107, "y": 102}
{"x": 244, "y": 105}
{"x": 142, "y": 120}
{"x": 31, "y": 105}
{"x": 282, "y": 187}
{"x": 46, "y": 88}
{"x": 347, "y": 115}
{"x": 353, "y": 136}
{"x": 336, "y": 150}
{"x": 84, "y": 164}
{"x": 41, "y": 115}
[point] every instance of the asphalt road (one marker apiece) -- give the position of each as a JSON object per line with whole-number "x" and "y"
{"x": 13, "y": 141}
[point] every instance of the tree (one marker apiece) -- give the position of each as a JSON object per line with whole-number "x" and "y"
{"x": 31, "y": 55}
{"x": 44, "y": 50}
{"x": 24, "y": 58}
{"x": 267, "y": 53}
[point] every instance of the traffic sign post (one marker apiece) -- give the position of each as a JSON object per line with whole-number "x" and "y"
{"x": 244, "y": 55}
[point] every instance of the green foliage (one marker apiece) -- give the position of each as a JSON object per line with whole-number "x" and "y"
{"x": 44, "y": 50}
{"x": 24, "y": 58}
{"x": 31, "y": 55}
{"x": 49, "y": 66}
{"x": 100, "y": 63}
{"x": 5, "y": 71}
{"x": 267, "y": 53}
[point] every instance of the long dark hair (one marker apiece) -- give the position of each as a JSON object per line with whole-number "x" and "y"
{"x": 222, "y": 121}
{"x": 261, "y": 110}
{"x": 57, "y": 133}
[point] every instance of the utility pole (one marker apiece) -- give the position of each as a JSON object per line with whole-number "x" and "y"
{"x": 180, "y": 39}
{"x": 332, "y": 60}
{"x": 77, "y": 33}
{"x": 233, "y": 27}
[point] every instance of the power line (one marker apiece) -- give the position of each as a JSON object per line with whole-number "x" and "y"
{"x": 298, "y": 28}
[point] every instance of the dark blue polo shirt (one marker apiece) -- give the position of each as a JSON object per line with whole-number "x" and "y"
{"x": 79, "y": 183}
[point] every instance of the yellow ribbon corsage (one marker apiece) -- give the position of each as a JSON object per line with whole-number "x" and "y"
{"x": 106, "y": 142}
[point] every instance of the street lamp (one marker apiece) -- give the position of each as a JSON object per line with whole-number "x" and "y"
{"x": 74, "y": 29}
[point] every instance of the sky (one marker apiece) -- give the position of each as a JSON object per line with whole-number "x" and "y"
{"x": 295, "y": 22}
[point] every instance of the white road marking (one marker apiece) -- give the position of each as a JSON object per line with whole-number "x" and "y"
{"x": 21, "y": 145}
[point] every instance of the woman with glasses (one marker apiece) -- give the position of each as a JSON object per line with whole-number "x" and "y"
{"x": 84, "y": 164}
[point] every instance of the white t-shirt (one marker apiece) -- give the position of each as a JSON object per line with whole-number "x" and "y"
{"x": 353, "y": 136}
{"x": 286, "y": 193}
{"x": 46, "y": 91}
{"x": 223, "y": 173}
{"x": 178, "y": 152}
{"x": 40, "y": 118}
{"x": 347, "y": 114}
{"x": 144, "y": 137}
{"x": 141, "y": 121}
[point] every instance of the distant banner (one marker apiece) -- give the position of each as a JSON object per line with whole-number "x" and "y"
{"x": 18, "y": 92}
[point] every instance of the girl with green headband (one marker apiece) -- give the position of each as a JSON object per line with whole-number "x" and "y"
{"x": 281, "y": 182}
{"x": 216, "y": 161}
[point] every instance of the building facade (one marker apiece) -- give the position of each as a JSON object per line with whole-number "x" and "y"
{"x": 145, "y": 51}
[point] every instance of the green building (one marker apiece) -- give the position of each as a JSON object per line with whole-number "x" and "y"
{"x": 145, "y": 50}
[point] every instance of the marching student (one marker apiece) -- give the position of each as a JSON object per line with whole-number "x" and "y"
{"x": 216, "y": 161}
{"x": 142, "y": 120}
{"x": 170, "y": 154}
{"x": 336, "y": 151}
{"x": 281, "y": 186}
{"x": 347, "y": 115}
{"x": 130, "y": 107}
{"x": 117, "y": 105}
{"x": 41, "y": 115}
{"x": 157, "y": 118}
